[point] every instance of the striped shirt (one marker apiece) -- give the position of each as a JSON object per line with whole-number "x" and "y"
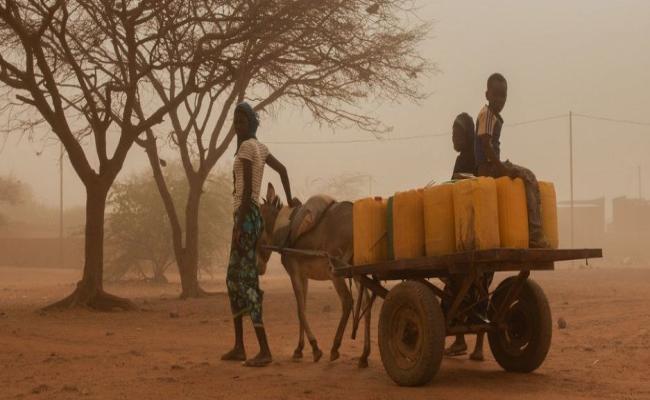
{"x": 256, "y": 153}
{"x": 488, "y": 123}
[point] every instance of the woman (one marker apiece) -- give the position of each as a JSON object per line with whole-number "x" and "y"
{"x": 242, "y": 278}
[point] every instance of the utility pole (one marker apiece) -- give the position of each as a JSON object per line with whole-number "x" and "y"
{"x": 61, "y": 261}
{"x": 571, "y": 174}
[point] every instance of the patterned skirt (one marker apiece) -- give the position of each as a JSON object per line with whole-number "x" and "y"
{"x": 243, "y": 277}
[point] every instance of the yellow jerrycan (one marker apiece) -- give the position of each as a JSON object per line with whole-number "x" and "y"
{"x": 439, "y": 229}
{"x": 476, "y": 214}
{"x": 408, "y": 225}
{"x": 549, "y": 213}
{"x": 513, "y": 213}
{"x": 369, "y": 231}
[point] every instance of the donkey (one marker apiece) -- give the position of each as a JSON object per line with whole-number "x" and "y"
{"x": 332, "y": 234}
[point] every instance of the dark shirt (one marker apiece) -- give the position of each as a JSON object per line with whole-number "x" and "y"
{"x": 465, "y": 163}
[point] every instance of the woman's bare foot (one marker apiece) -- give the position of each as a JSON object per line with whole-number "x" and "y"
{"x": 260, "y": 360}
{"x": 236, "y": 354}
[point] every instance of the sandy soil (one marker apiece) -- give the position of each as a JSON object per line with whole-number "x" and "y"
{"x": 603, "y": 354}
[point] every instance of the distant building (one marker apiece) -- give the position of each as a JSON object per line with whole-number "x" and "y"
{"x": 630, "y": 215}
{"x": 626, "y": 239}
{"x": 628, "y": 235}
{"x": 588, "y": 223}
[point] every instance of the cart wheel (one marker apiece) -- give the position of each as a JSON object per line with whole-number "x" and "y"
{"x": 411, "y": 334}
{"x": 524, "y": 341}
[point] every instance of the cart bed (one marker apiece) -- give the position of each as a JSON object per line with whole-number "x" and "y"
{"x": 502, "y": 259}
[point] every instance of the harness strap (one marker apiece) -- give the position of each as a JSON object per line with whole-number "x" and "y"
{"x": 288, "y": 242}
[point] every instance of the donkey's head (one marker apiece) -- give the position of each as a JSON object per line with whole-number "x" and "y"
{"x": 276, "y": 218}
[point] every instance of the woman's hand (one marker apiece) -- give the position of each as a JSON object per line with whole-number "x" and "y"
{"x": 236, "y": 233}
{"x": 239, "y": 222}
{"x": 295, "y": 202}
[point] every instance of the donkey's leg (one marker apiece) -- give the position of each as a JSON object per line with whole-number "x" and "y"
{"x": 297, "y": 354}
{"x": 299, "y": 291}
{"x": 346, "y": 307}
{"x": 368, "y": 302}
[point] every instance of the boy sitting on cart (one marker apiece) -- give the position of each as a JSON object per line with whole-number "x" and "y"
{"x": 487, "y": 149}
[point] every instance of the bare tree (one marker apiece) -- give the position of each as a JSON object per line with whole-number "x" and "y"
{"x": 327, "y": 57}
{"x": 75, "y": 62}
{"x": 137, "y": 228}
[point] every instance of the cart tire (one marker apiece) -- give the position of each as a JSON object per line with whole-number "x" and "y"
{"x": 411, "y": 334}
{"x": 525, "y": 340}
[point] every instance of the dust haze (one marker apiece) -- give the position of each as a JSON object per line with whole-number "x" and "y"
{"x": 588, "y": 57}
{"x": 579, "y": 68}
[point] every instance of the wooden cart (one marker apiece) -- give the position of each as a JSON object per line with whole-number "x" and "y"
{"x": 413, "y": 324}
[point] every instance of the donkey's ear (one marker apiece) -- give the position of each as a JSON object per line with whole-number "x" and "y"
{"x": 270, "y": 193}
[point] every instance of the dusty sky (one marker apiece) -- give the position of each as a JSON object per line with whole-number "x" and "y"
{"x": 589, "y": 56}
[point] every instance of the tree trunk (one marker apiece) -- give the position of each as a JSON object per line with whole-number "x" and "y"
{"x": 186, "y": 254}
{"x": 90, "y": 289}
{"x": 189, "y": 265}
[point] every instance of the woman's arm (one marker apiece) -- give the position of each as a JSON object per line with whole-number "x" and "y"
{"x": 245, "y": 205}
{"x": 282, "y": 170}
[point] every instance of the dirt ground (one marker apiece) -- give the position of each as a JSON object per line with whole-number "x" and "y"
{"x": 603, "y": 354}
